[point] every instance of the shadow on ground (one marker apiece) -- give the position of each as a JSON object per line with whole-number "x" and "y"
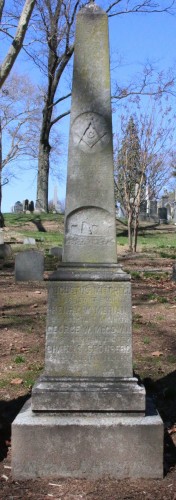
{"x": 163, "y": 392}
{"x": 8, "y": 411}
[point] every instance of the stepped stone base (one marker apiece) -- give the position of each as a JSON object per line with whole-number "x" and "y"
{"x": 88, "y": 394}
{"x": 86, "y": 445}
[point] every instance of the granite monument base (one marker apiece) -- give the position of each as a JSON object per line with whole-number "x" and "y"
{"x": 82, "y": 445}
{"x": 122, "y": 395}
{"x": 88, "y": 355}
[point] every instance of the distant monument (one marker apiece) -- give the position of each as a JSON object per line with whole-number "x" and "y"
{"x": 88, "y": 417}
{"x": 56, "y": 203}
{"x": 18, "y": 207}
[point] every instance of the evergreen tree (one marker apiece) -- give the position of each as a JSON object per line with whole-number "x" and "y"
{"x": 128, "y": 174}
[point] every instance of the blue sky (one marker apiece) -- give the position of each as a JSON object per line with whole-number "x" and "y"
{"x": 134, "y": 39}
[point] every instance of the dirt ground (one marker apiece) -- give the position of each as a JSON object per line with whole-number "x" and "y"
{"x": 22, "y": 336}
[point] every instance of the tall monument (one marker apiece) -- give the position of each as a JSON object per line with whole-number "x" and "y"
{"x": 88, "y": 417}
{"x": 90, "y": 233}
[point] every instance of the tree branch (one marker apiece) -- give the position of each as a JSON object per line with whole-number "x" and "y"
{"x": 59, "y": 118}
{"x": 17, "y": 41}
{"x": 147, "y": 6}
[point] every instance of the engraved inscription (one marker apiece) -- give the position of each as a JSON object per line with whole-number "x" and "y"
{"x": 89, "y": 329}
{"x": 88, "y": 228}
{"x": 88, "y": 221}
{"x": 73, "y": 228}
{"x": 91, "y": 132}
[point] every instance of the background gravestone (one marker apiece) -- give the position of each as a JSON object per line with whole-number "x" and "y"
{"x": 29, "y": 241}
{"x": 1, "y": 237}
{"x": 18, "y": 207}
{"x": 29, "y": 266}
{"x": 162, "y": 214}
{"x": 5, "y": 250}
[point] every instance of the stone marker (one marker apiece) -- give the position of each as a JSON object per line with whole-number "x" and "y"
{"x": 174, "y": 272}
{"x": 18, "y": 207}
{"x": 162, "y": 214}
{"x": 29, "y": 241}
{"x": 29, "y": 266}
{"x": 88, "y": 415}
{"x": 1, "y": 237}
{"x": 5, "y": 250}
{"x": 57, "y": 252}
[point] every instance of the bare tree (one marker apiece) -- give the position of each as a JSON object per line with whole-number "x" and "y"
{"x": 57, "y": 24}
{"x": 17, "y": 39}
{"x": 20, "y": 115}
{"x": 144, "y": 158}
{"x": 135, "y": 7}
{"x": 54, "y": 24}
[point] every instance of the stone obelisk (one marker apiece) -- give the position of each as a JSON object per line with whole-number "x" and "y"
{"x": 87, "y": 416}
{"x": 90, "y": 233}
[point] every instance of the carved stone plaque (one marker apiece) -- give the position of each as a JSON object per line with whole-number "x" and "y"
{"x": 90, "y": 132}
{"x": 89, "y": 329}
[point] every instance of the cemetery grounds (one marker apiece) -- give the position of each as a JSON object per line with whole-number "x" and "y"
{"x": 22, "y": 338}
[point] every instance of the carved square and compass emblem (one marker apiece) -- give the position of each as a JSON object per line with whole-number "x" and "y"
{"x": 90, "y": 136}
{"x": 90, "y": 132}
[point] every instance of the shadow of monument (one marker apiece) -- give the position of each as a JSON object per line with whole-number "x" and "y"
{"x": 8, "y": 411}
{"x": 163, "y": 393}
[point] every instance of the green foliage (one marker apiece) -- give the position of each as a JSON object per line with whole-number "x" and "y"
{"x": 153, "y": 241}
{"x": 135, "y": 274}
{"x": 146, "y": 340}
{"x": 19, "y": 359}
{"x": 22, "y": 218}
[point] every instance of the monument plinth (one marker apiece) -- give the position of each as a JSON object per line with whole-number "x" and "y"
{"x": 88, "y": 410}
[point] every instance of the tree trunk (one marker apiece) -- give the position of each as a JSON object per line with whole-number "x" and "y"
{"x": 130, "y": 219}
{"x": 1, "y": 215}
{"x": 136, "y": 226}
{"x": 42, "y": 178}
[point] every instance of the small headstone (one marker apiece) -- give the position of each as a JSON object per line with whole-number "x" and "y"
{"x": 29, "y": 266}
{"x": 26, "y": 203}
{"x": 153, "y": 208}
{"x": 1, "y": 237}
{"x": 57, "y": 252}
{"x": 174, "y": 214}
{"x": 5, "y": 250}
{"x": 18, "y": 207}
{"x": 162, "y": 214}
{"x": 31, "y": 206}
{"x": 174, "y": 273}
{"x": 29, "y": 241}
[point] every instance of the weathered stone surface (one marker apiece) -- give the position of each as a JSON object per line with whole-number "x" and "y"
{"x": 89, "y": 329}
{"x": 90, "y": 233}
{"x": 89, "y": 272}
{"x": 29, "y": 266}
{"x": 86, "y": 446}
{"x": 174, "y": 272}
{"x": 29, "y": 241}
{"x": 1, "y": 237}
{"x": 88, "y": 394}
{"x": 5, "y": 250}
{"x": 57, "y": 252}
